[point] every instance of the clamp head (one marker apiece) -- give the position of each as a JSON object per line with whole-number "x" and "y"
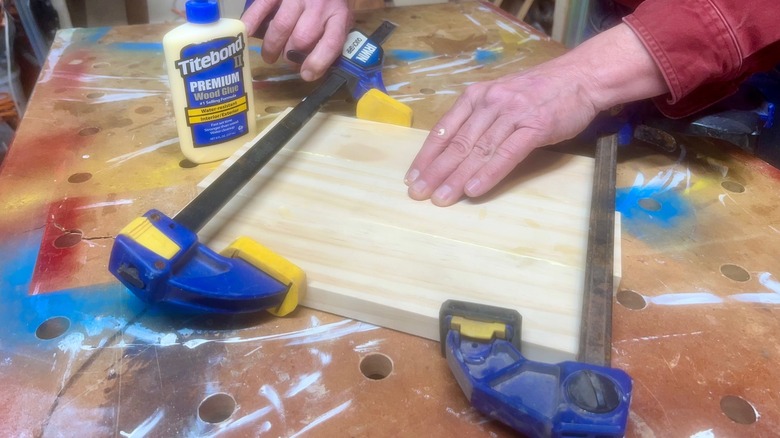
{"x": 479, "y": 321}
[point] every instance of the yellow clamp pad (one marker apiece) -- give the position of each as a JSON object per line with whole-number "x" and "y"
{"x": 274, "y": 265}
{"x": 144, "y": 233}
{"x": 379, "y": 107}
{"x": 482, "y": 331}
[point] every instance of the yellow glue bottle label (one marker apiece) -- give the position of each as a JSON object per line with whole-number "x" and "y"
{"x": 211, "y": 85}
{"x": 216, "y": 99}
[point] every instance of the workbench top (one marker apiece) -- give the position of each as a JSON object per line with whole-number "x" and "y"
{"x": 696, "y": 319}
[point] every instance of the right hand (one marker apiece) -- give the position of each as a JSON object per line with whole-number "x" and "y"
{"x": 316, "y": 27}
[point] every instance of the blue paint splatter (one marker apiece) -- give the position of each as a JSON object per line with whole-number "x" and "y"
{"x": 408, "y": 55}
{"x": 256, "y": 49}
{"x": 95, "y": 34}
{"x": 649, "y": 212}
{"x": 137, "y": 46}
{"x": 21, "y": 314}
{"x": 485, "y": 56}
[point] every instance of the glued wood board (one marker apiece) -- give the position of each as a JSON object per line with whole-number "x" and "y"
{"x": 333, "y": 202}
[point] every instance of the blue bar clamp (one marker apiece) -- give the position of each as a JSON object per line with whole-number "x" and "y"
{"x": 568, "y": 399}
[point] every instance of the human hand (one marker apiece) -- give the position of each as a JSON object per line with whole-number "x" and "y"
{"x": 316, "y": 27}
{"x": 494, "y": 125}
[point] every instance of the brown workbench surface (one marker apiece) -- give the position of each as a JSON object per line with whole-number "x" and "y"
{"x": 696, "y": 320}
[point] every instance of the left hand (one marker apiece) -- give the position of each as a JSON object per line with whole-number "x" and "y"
{"x": 493, "y": 126}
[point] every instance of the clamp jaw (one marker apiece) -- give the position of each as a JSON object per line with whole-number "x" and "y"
{"x": 568, "y": 399}
{"x": 360, "y": 64}
{"x": 161, "y": 261}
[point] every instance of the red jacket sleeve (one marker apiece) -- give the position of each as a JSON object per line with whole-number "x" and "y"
{"x": 705, "y": 48}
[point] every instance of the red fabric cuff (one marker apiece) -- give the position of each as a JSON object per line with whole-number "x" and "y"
{"x": 691, "y": 43}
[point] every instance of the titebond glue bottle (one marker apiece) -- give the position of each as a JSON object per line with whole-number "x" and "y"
{"x": 211, "y": 83}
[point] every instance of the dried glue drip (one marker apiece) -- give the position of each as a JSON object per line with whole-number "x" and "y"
{"x": 441, "y": 131}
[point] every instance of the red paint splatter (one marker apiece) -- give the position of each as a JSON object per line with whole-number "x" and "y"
{"x": 61, "y": 253}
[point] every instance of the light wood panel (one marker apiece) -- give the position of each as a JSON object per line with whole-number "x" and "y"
{"x": 333, "y": 202}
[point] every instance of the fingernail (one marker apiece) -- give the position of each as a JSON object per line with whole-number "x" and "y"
{"x": 307, "y": 75}
{"x": 442, "y": 194}
{"x": 418, "y": 187}
{"x": 472, "y": 187}
{"x": 411, "y": 176}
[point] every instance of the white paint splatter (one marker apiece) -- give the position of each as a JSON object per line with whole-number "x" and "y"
{"x": 368, "y": 346}
{"x": 455, "y": 63}
{"x": 106, "y": 204}
{"x": 396, "y": 87}
{"x": 704, "y": 434}
{"x": 61, "y": 42}
{"x": 323, "y": 418}
{"x": 144, "y": 428}
{"x": 149, "y": 336}
{"x": 454, "y": 72}
{"x": 512, "y": 61}
{"x": 122, "y": 158}
{"x": 507, "y": 27}
{"x": 196, "y": 343}
{"x": 409, "y": 99}
{"x": 280, "y": 78}
{"x": 654, "y": 338}
{"x": 722, "y": 198}
{"x": 325, "y": 358}
{"x": 304, "y": 382}
{"x": 306, "y": 336}
{"x": 270, "y": 393}
{"x": 766, "y": 279}
{"x": 758, "y": 297}
{"x": 185, "y": 332}
{"x": 687, "y": 298}
{"x": 335, "y": 333}
{"x": 247, "y": 419}
{"x": 70, "y": 345}
{"x": 97, "y": 325}
{"x": 265, "y": 427}
{"x": 473, "y": 20}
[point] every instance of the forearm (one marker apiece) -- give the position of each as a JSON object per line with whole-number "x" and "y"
{"x": 614, "y": 67}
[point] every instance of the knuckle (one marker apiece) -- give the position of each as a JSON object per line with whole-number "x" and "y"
{"x": 460, "y": 145}
{"x": 482, "y": 150}
{"x": 284, "y": 24}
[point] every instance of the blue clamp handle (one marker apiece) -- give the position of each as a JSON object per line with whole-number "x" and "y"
{"x": 162, "y": 262}
{"x": 568, "y": 399}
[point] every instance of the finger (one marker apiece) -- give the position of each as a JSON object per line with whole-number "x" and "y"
{"x": 280, "y": 29}
{"x": 329, "y": 45}
{"x": 256, "y": 13}
{"x": 456, "y": 151}
{"x": 506, "y": 157}
{"x": 452, "y": 189}
{"x": 439, "y": 137}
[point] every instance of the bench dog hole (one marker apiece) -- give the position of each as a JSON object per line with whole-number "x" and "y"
{"x": 738, "y": 409}
{"x": 631, "y": 299}
{"x": 376, "y": 366}
{"x": 216, "y": 408}
{"x": 52, "y": 328}
{"x": 735, "y": 272}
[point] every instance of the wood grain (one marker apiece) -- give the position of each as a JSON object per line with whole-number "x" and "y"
{"x": 333, "y": 202}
